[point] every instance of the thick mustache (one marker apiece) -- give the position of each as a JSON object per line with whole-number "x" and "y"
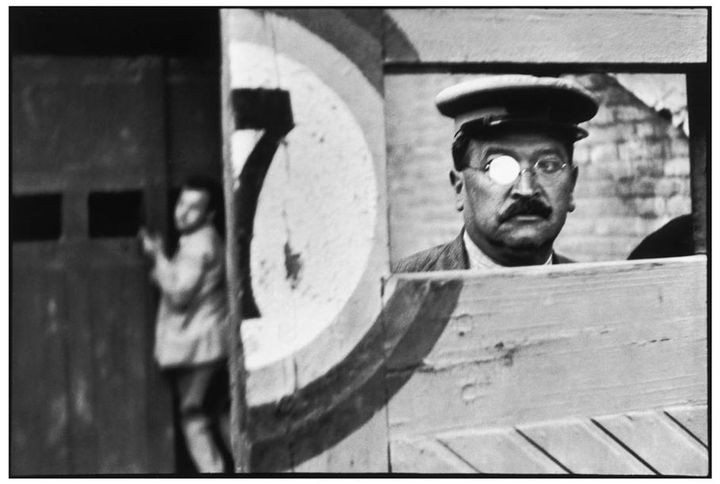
{"x": 527, "y": 206}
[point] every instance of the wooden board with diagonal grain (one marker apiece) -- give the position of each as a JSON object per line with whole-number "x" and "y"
{"x": 582, "y": 448}
{"x": 694, "y": 419}
{"x": 500, "y": 451}
{"x": 526, "y": 346}
{"x": 566, "y": 446}
{"x": 427, "y": 456}
{"x": 545, "y": 35}
{"x": 659, "y": 442}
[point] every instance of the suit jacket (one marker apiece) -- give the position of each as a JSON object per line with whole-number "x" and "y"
{"x": 446, "y": 257}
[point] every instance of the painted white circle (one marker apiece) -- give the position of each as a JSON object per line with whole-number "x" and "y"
{"x": 316, "y": 215}
{"x": 504, "y": 170}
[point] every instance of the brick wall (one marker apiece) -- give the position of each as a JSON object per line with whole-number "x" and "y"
{"x": 634, "y": 169}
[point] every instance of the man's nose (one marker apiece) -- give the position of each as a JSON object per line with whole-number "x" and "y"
{"x": 525, "y": 185}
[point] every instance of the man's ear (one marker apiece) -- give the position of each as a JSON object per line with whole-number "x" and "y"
{"x": 458, "y": 183}
{"x": 573, "y": 180}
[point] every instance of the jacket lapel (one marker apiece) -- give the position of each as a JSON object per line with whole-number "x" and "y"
{"x": 453, "y": 256}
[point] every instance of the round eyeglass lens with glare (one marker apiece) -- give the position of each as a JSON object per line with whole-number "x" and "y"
{"x": 503, "y": 169}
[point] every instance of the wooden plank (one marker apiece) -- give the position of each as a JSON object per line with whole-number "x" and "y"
{"x": 55, "y": 113}
{"x": 239, "y": 439}
{"x": 357, "y": 387}
{"x": 159, "y": 437}
{"x": 659, "y": 442}
{"x": 39, "y": 400}
{"x": 426, "y": 457}
{"x": 583, "y": 448}
{"x": 152, "y": 94}
{"x": 363, "y": 450}
{"x": 332, "y": 99}
{"x": 329, "y": 64}
{"x": 112, "y": 317}
{"x": 500, "y": 451}
{"x": 428, "y": 319}
{"x": 94, "y": 124}
{"x": 154, "y": 401}
{"x": 698, "y": 92}
{"x": 536, "y": 36}
{"x": 693, "y": 419}
{"x": 82, "y": 371}
{"x": 193, "y": 124}
{"x": 575, "y": 446}
{"x": 584, "y": 339}
{"x": 353, "y": 71}
{"x": 119, "y": 324}
{"x": 110, "y": 363}
{"x": 313, "y": 432}
{"x": 38, "y": 181}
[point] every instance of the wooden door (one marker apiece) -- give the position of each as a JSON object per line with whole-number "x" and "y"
{"x": 89, "y": 168}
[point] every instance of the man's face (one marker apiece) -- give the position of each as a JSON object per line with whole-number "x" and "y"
{"x": 515, "y": 223}
{"x": 191, "y": 210}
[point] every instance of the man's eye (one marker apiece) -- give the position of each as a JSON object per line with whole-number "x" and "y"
{"x": 550, "y": 165}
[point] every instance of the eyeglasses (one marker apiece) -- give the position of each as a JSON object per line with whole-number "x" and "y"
{"x": 505, "y": 169}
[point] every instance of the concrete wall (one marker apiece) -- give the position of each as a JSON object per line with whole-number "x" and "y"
{"x": 634, "y": 168}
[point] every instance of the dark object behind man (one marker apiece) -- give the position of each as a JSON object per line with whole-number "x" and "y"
{"x": 674, "y": 239}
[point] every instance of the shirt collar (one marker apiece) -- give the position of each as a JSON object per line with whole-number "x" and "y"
{"x": 477, "y": 258}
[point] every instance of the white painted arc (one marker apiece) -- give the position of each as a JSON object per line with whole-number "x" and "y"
{"x": 252, "y": 66}
{"x": 318, "y": 207}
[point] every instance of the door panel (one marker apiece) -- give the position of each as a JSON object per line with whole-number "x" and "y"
{"x": 39, "y": 401}
{"x": 87, "y": 395}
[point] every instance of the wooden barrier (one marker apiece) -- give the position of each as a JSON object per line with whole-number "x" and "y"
{"x": 559, "y": 361}
{"x": 535, "y": 35}
{"x": 345, "y": 368}
{"x": 577, "y": 368}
